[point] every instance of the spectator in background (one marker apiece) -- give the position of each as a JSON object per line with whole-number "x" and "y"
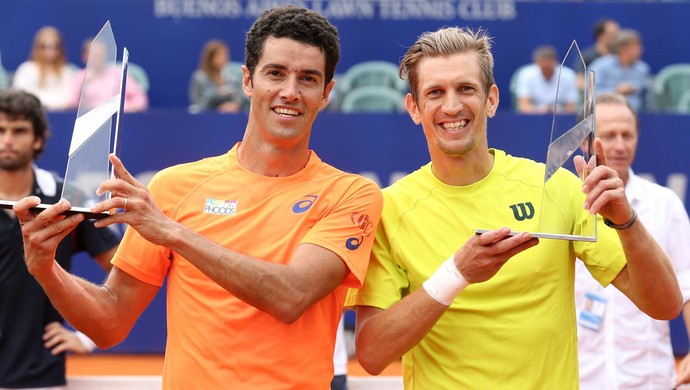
{"x": 213, "y": 87}
{"x": 98, "y": 77}
{"x": 620, "y": 347}
{"x": 47, "y": 74}
{"x": 623, "y": 71}
{"x": 603, "y": 33}
{"x": 537, "y": 85}
{"x": 33, "y": 340}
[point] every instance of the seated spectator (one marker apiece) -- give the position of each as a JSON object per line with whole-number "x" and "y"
{"x": 47, "y": 74}
{"x": 537, "y": 85}
{"x": 99, "y": 80}
{"x": 623, "y": 71}
{"x": 603, "y": 32}
{"x": 213, "y": 87}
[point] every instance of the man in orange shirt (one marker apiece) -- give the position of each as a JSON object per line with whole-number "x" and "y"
{"x": 259, "y": 244}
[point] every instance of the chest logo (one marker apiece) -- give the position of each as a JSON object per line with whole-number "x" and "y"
{"x": 522, "y": 211}
{"x": 220, "y": 207}
{"x": 304, "y": 204}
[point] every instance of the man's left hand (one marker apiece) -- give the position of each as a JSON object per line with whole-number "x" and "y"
{"x": 605, "y": 191}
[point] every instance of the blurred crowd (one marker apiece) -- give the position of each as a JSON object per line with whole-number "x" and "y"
{"x": 550, "y": 83}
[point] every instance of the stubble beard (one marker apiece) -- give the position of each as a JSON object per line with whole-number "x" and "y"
{"x": 457, "y": 148}
{"x": 21, "y": 161}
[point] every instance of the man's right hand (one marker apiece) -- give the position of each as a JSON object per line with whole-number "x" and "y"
{"x": 139, "y": 210}
{"x": 484, "y": 254}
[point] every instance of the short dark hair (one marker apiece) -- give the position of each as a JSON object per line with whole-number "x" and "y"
{"x": 297, "y": 23}
{"x": 600, "y": 27}
{"x": 21, "y": 105}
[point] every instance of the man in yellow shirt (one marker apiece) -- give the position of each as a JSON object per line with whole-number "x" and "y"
{"x": 259, "y": 245}
{"x": 499, "y": 312}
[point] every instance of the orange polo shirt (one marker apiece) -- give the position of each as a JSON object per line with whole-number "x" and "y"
{"x": 215, "y": 340}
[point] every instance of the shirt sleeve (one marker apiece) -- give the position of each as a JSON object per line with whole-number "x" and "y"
{"x": 604, "y": 258}
{"x": 386, "y": 281}
{"x": 25, "y": 77}
{"x": 348, "y": 229}
{"x": 522, "y": 88}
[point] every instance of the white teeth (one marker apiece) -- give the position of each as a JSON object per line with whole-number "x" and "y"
{"x": 455, "y": 125}
{"x": 286, "y": 111}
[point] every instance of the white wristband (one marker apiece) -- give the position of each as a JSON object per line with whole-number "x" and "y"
{"x": 446, "y": 283}
{"x": 88, "y": 344}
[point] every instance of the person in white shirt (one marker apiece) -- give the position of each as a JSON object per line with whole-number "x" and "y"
{"x": 619, "y": 346}
{"x": 537, "y": 85}
{"x": 47, "y": 74}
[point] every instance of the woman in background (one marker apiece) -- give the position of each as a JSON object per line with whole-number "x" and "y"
{"x": 213, "y": 86}
{"x": 47, "y": 74}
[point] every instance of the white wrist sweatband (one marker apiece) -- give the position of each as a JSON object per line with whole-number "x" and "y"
{"x": 446, "y": 283}
{"x": 85, "y": 341}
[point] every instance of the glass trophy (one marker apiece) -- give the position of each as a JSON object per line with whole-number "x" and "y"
{"x": 95, "y": 133}
{"x": 569, "y": 138}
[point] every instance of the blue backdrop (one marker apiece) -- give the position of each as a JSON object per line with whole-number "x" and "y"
{"x": 166, "y": 36}
{"x": 379, "y": 146}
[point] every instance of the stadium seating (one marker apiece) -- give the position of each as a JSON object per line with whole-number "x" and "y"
{"x": 669, "y": 85}
{"x": 381, "y": 74}
{"x": 373, "y": 99}
{"x": 371, "y": 73}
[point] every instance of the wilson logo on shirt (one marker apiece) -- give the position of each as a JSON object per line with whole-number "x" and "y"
{"x": 363, "y": 222}
{"x": 304, "y": 204}
{"x": 522, "y": 211}
{"x": 220, "y": 207}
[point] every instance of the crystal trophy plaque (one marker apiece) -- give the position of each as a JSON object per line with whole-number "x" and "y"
{"x": 569, "y": 138}
{"x": 95, "y": 133}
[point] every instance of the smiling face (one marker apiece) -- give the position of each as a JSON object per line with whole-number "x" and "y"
{"x": 287, "y": 90}
{"x": 452, "y": 105}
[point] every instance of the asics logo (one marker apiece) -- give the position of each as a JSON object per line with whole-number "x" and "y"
{"x": 304, "y": 204}
{"x": 363, "y": 222}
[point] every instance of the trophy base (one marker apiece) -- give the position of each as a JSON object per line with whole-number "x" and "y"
{"x": 88, "y": 214}
{"x": 553, "y": 236}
